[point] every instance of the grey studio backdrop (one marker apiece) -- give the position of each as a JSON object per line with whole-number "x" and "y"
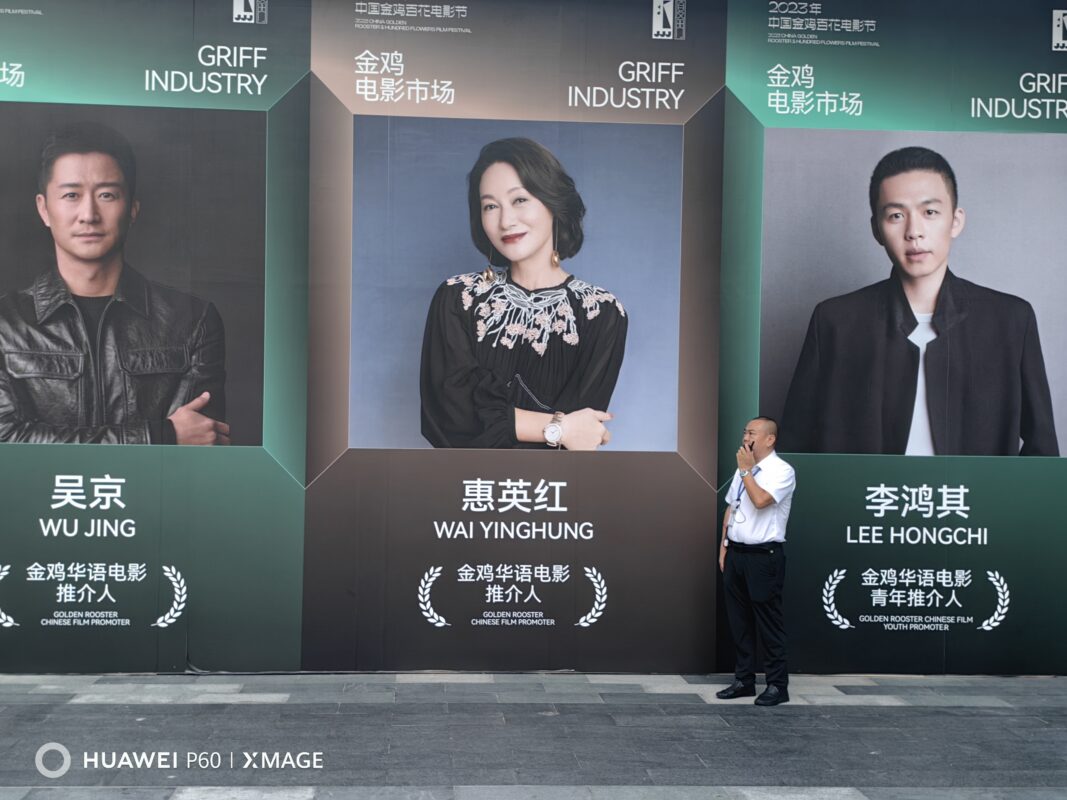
{"x": 817, "y": 240}
{"x": 411, "y": 231}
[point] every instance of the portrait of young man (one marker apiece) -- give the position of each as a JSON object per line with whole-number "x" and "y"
{"x": 91, "y": 350}
{"x": 924, "y": 362}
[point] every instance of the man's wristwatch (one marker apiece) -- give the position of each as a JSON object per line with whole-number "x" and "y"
{"x": 553, "y": 431}
{"x": 745, "y": 473}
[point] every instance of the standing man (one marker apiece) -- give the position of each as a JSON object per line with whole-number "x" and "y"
{"x": 91, "y": 351}
{"x": 752, "y": 561}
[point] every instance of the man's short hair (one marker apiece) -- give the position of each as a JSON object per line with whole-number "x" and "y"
{"x": 772, "y": 424}
{"x": 88, "y": 137}
{"x": 910, "y": 159}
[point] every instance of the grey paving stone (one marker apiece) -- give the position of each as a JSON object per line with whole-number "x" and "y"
{"x": 98, "y": 793}
{"x": 657, "y": 699}
{"x": 987, "y": 688}
{"x": 560, "y": 698}
{"x": 159, "y": 680}
{"x": 15, "y": 698}
{"x": 268, "y": 682}
{"x": 926, "y": 793}
{"x": 1032, "y": 700}
{"x": 632, "y": 776}
{"x": 965, "y": 701}
{"x": 355, "y": 777}
{"x": 902, "y": 689}
{"x": 376, "y": 687}
{"x": 244, "y": 793}
{"x": 514, "y": 759}
{"x": 664, "y": 793}
{"x": 641, "y": 760}
{"x": 351, "y": 698}
{"x": 798, "y": 793}
{"x": 443, "y": 677}
{"x": 458, "y": 697}
{"x": 397, "y": 709}
{"x": 439, "y": 738}
{"x": 725, "y": 777}
{"x": 708, "y": 680}
{"x": 460, "y": 708}
{"x": 73, "y": 680}
{"x": 948, "y": 778}
{"x": 525, "y": 792}
{"x": 385, "y": 793}
{"x": 450, "y": 777}
{"x": 541, "y": 677}
{"x": 682, "y": 723}
{"x": 690, "y": 709}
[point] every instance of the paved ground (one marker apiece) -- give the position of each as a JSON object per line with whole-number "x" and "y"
{"x": 448, "y": 736}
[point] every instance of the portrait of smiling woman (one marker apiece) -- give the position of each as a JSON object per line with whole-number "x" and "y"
{"x": 523, "y": 353}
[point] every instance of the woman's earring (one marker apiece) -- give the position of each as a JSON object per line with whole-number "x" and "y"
{"x": 555, "y": 253}
{"x": 489, "y": 274}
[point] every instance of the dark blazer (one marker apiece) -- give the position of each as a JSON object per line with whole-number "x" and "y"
{"x": 853, "y": 390}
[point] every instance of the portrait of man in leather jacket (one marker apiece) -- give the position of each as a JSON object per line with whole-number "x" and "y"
{"x": 92, "y": 351}
{"x": 924, "y": 362}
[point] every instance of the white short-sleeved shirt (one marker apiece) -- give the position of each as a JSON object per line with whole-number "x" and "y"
{"x": 751, "y": 525}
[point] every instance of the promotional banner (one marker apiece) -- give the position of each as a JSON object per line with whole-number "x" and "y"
{"x": 481, "y": 553}
{"x": 895, "y": 317}
{"x": 154, "y": 295}
{"x": 322, "y": 232}
{"x": 923, "y": 565}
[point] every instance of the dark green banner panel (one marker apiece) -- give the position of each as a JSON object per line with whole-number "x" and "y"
{"x": 139, "y": 554}
{"x": 925, "y": 565}
{"x": 122, "y": 559}
{"x": 910, "y": 65}
{"x": 195, "y": 54}
{"x": 875, "y": 315}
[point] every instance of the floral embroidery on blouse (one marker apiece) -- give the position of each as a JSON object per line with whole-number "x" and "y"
{"x": 507, "y": 315}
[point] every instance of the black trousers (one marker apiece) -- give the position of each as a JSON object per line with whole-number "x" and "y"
{"x": 753, "y": 582}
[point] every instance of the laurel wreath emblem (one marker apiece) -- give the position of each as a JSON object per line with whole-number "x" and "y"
{"x": 181, "y": 594}
{"x": 1003, "y": 599}
{"x": 829, "y": 604}
{"x": 600, "y": 598}
{"x": 435, "y": 619}
{"x": 5, "y": 620}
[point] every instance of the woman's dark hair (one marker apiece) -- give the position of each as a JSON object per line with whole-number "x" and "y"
{"x": 542, "y": 176}
{"x": 88, "y": 137}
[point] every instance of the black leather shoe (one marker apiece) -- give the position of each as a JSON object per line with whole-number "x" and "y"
{"x": 772, "y": 696}
{"x": 736, "y": 689}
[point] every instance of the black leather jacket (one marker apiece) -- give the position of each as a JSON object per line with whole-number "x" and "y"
{"x": 158, "y": 349}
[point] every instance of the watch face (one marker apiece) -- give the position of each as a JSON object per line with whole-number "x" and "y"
{"x": 553, "y": 432}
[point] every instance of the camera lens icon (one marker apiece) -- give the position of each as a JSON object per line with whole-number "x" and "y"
{"x": 46, "y": 749}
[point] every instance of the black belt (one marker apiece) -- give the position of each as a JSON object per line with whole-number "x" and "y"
{"x": 766, "y": 549}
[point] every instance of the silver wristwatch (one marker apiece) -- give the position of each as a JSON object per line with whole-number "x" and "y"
{"x": 553, "y": 431}
{"x": 745, "y": 473}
